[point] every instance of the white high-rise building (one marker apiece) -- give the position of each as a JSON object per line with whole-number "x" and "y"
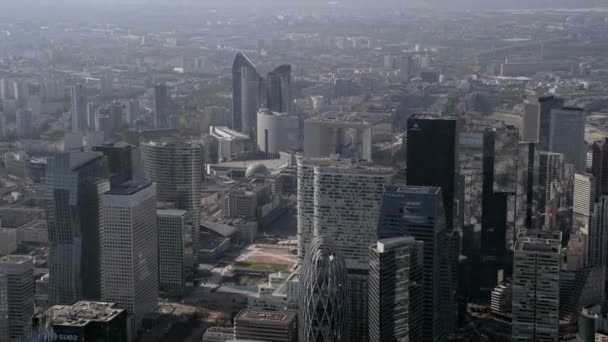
{"x": 582, "y": 200}
{"x": 130, "y": 248}
{"x": 341, "y": 200}
{"x": 16, "y": 297}
{"x": 567, "y": 136}
{"x": 536, "y": 270}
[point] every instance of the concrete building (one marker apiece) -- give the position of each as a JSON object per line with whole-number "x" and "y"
{"x": 395, "y": 290}
{"x": 277, "y": 131}
{"x": 74, "y": 185}
{"x": 536, "y": 274}
{"x": 567, "y": 136}
{"x": 537, "y": 119}
{"x": 246, "y": 88}
{"x": 89, "y": 321}
{"x": 218, "y": 334}
{"x": 502, "y": 298}
{"x": 230, "y": 143}
{"x": 418, "y": 212}
{"x": 8, "y": 241}
{"x": 16, "y": 297}
{"x": 271, "y": 326}
{"x": 130, "y": 248}
{"x": 174, "y": 250}
{"x": 79, "y": 109}
{"x": 176, "y": 166}
{"x": 161, "y": 106}
{"x": 349, "y": 134}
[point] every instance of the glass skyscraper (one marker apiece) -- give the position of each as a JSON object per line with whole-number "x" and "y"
{"x": 323, "y": 305}
{"x": 418, "y": 212}
{"x": 245, "y": 94}
{"x": 279, "y": 89}
{"x": 74, "y": 185}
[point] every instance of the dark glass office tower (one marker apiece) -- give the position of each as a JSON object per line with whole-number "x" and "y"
{"x": 500, "y": 151}
{"x": 279, "y": 89}
{"x": 527, "y": 185}
{"x": 74, "y": 185}
{"x": 537, "y": 119}
{"x": 120, "y": 161}
{"x": 418, "y": 212}
{"x": 323, "y": 305}
{"x": 600, "y": 167}
{"x": 395, "y": 290}
{"x": 245, "y": 94}
{"x": 432, "y": 156}
{"x": 161, "y": 106}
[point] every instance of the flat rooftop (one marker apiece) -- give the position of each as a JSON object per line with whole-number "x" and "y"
{"x": 413, "y": 189}
{"x": 350, "y": 118}
{"x": 171, "y": 212}
{"x": 82, "y": 313}
{"x": 225, "y": 133}
{"x": 432, "y": 116}
{"x": 128, "y": 188}
{"x": 538, "y": 240}
{"x": 258, "y": 316}
{"x": 16, "y": 259}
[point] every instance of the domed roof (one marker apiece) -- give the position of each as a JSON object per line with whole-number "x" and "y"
{"x": 257, "y": 170}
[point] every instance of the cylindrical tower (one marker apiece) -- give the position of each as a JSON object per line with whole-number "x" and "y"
{"x": 324, "y": 300}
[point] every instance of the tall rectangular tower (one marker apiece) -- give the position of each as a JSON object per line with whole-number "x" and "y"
{"x": 418, "y": 212}
{"x": 527, "y": 185}
{"x": 537, "y": 119}
{"x": 74, "y": 185}
{"x": 79, "y": 109}
{"x": 161, "y": 106}
{"x": 567, "y": 136}
{"x": 174, "y": 250}
{"x": 16, "y": 297}
{"x": 130, "y": 248}
{"x": 395, "y": 290}
{"x": 432, "y": 156}
{"x": 537, "y": 263}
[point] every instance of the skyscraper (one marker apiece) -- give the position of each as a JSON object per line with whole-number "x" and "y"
{"x": 499, "y": 186}
{"x": 432, "y": 156}
{"x": 395, "y": 290}
{"x": 536, "y": 274}
{"x": 551, "y": 187}
{"x": 16, "y": 296}
{"x": 418, "y": 212}
{"x": 245, "y": 94}
{"x": 176, "y": 166}
{"x": 74, "y": 185}
{"x": 567, "y": 136}
{"x": 174, "y": 250}
{"x": 345, "y": 202}
{"x": 161, "y": 106}
{"x": 323, "y": 305}
{"x": 79, "y": 109}
{"x": 527, "y": 185}
{"x": 24, "y": 123}
{"x": 598, "y": 234}
{"x": 279, "y": 89}
{"x": 120, "y": 161}
{"x": 537, "y": 119}
{"x": 130, "y": 248}
{"x": 582, "y": 202}
{"x": 599, "y": 167}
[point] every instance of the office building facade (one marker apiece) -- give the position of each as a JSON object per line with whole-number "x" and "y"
{"x": 16, "y": 297}
{"x": 527, "y": 185}
{"x": 537, "y": 119}
{"x": 176, "y": 166}
{"x": 79, "y": 109}
{"x": 74, "y": 185}
{"x": 174, "y": 250}
{"x": 582, "y": 202}
{"x": 418, "y": 212}
{"x": 323, "y": 303}
{"x": 432, "y": 156}
{"x": 120, "y": 161}
{"x": 598, "y": 234}
{"x": 276, "y": 132}
{"x": 89, "y": 321}
{"x": 567, "y": 136}
{"x": 130, "y": 248}
{"x": 246, "y": 87}
{"x": 536, "y": 281}
{"x": 599, "y": 167}
{"x": 279, "y": 89}
{"x": 395, "y": 290}
{"x": 161, "y": 106}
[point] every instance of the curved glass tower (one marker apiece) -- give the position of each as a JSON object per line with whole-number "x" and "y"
{"x": 245, "y": 94}
{"x": 323, "y": 306}
{"x": 279, "y": 89}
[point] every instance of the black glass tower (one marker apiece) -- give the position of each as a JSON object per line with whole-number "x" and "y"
{"x": 432, "y": 156}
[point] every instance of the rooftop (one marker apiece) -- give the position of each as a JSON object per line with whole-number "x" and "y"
{"x": 128, "y": 188}
{"x": 350, "y": 118}
{"x": 225, "y": 133}
{"x": 413, "y": 189}
{"x": 16, "y": 259}
{"x": 532, "y": 240}
{"x": 266, "y": 316}
{"x": 432, "y": 116}
{"x": 80, "y": 159}
{"x": 82, "y": 313}
{"x": 171, "y": 212}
